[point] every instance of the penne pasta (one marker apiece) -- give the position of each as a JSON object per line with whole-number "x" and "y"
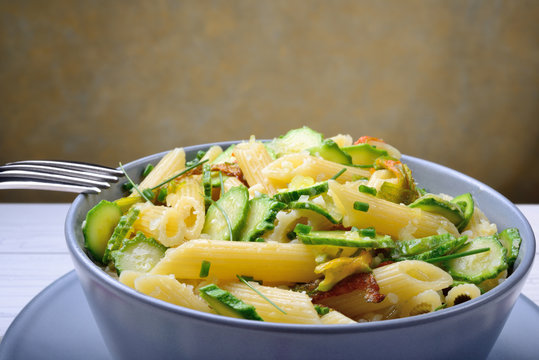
{"x": 297, "y": 306}
{"x": 268, "y": 262}
{"x": 285, "y": 168}
{"x": 160, "y": 222}
{"x": 168, "y": 289}
{"x": 336, "y": 318}
{"x": 462, "y": 293}
{"x": 189, "y": 202}
{"x": 410, "y": 277}
{"x": 422, "y": 303}
{"x": 252, "y": 157}
{"x": 172, "y": 163}
{"x": 387, "y": 217}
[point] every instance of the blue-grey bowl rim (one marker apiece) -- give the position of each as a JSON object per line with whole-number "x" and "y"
{"x": 80, "y": 256}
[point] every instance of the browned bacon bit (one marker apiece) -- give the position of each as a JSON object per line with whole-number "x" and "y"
{"x": 360, "y": 281}
{"x": 227, "y": 169}
{"x": 340, "y": 227}
{"x": 230, "y": 170}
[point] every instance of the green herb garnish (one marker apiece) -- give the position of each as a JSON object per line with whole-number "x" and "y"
{"x": 204, "y": 268}
{"x": 132, "y": 183}
{"x": 454, "y": 256}
{"x": 259, "y": 293}
{"x": 228, "y": 223}
{"x": 180, "y": 174}
{"x": 361, "y": 206}
{"x": 367, "y": 189}
{"x": 148, "y": 169}
{"x": 334, "y": 177}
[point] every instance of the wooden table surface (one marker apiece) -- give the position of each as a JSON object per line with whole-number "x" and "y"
{"x": 33, "y": 254}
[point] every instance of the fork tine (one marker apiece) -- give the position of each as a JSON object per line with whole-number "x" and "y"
{"x": 33, "y": 175}
{"x": 61, "y": 171}
{"x": 74, "y": 165}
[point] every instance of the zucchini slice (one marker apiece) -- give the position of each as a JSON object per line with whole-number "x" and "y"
{"x": 99, "y": 226}
{"x": 235, "y": 204}
{"x": 342, "y": 238}
{"x": 120, "y": 232}
{"x": 510, "y": 239}
{"x": 329, "y": 150}
{"x": 466, "y": 203}
{"x": 309, "y": 205}
{"x": 482, "y": 266}
{"x": 224, "y": 303}
{"x": 364, "y": 154}
{"x": 293, "y": 195}
{"x": 417, "y": 246}
{"x": 138, "y": 254}
{"x": 260, "y": 218}
{"x": 437, "y": 205}
{"x": 296, "y": 140}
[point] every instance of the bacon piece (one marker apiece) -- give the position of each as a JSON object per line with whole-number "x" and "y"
{"x": 360, "y": 281}
{"x": 227, "y": 169}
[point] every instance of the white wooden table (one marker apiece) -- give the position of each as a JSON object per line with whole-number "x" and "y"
{"x": 33, "y": 254}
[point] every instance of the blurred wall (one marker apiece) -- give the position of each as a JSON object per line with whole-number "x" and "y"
{"x": 456, "y": 82}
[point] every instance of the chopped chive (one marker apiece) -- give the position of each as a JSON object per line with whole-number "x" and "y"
{"x": 367, "y": 189}
{"x": 180, "y": 173}
{"x": 361, "y": 206}
{"x": 147, "y": 170}
{"x": 229, "y": 225}
{"x": 321, "y": 310}
{"x": 132, "y": 183}
{"x": 259, "y": 293}
{"x": 370, "y": 232}
{"x": 148, "y": 193}
{"x": 204, "y": 268}
{"x": 454, "y": 256}
{"x": 291, "y": 235}
{"x": 162, "y": 195}
{"x": 334, "y": 177}
{"x": 127, "y": 186}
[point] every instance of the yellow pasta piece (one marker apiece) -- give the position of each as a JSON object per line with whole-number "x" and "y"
{"x": 410, "y": 277}
{"x": 231, "y": 182}
{"x": 160, "y": 222}
{"x": 297, "y": 306}
{"x": 189, "y": 202}
{"x": 342, "y": 140}
{"x": 336, "y": 318}
{"x": 212, "y": 153}
{"x": 422, "y": 303}
{"x": 286, "y": 221}
{"x": 269, "y": 262}
{"x": 172, "y": 163}
{"x": 387, "y": 217}
{"x": 462, "y": 293}
{"x": 128, "y": 277}
{"x": 285, "y": 168}
{"x": 168, "y": 289}
{"x": 252, "y": 157}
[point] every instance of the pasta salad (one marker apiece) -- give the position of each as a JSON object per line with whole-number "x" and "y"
{"x": 301, "y": 229}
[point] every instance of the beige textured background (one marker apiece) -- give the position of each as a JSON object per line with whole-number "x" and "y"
{"x": 456, "y": 82}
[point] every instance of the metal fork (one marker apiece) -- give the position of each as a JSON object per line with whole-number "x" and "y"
{"x": 68, "y": 176}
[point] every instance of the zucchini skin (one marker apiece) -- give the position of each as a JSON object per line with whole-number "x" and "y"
{"x": 127, "y": 258}
{"x": 224, "y": 303}
{"x": 260, "y": 217}
{"x": 294, "y": 195}
{"x": 479, "y": 267}
{"x": 120, "y": 231}
{"x": 99, "y": 226}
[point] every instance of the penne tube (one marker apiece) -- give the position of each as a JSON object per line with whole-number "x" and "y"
{"x": 297, "y": 306}
{"x": 386, "y": 217}
{"x": 422, "y": 303}
{"x": 252, "y": 157}
{"x": 285, "y": 168}
{"x": 353, "y": 304}
{"x": 168, "y": 289}
{"x": 160, "y": 222}
{"x": 128, "y": 277}
{"x": 172, "y": 163}
{"x": 336, "y": 318}
{"x": 212, "y": 153}
{"x": 189, "y": 202}
{"x": 410, "y": 277}
{"x": 268, "y": 262}
{"x": 462, "y": 293}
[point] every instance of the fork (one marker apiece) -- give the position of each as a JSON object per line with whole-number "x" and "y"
{"x": 67, "y": 176}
